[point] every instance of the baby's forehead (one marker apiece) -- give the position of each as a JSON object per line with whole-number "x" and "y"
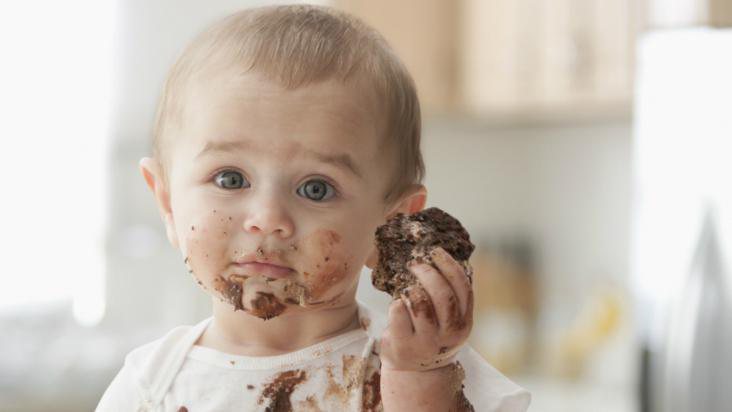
{"x": 235, "y": 83}
{"x": 328, "y": 117}
{"x": 255, "y": 101}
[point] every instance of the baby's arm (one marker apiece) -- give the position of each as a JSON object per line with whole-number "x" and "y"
{"x": 433, "y": 390}
{"x": 427, "y": 327}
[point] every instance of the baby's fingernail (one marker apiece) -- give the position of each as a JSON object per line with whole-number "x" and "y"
{"x": 415, "y": 266}
{"x": 437, "y": 252}
{"x": 405, "y": 299}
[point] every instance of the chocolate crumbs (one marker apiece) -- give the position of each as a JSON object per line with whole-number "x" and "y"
{"x": 411, "y": 237}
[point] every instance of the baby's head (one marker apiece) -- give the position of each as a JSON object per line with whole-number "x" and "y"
{"x": 284, "y": 137}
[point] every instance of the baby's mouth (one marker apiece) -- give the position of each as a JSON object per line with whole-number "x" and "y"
{"x": 244, "y": 287}
{"x": 267, "y": 270}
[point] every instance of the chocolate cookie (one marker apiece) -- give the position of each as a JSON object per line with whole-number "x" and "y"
{"x": 404, "y": 238}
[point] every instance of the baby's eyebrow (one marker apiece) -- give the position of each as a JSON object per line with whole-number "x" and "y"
{"x": 340, "y": 160}
{"x": 211, "y": 147}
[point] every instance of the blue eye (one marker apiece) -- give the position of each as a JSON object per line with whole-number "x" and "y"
{"x": 317, "y": 190}
{"x": 230, "y": 179}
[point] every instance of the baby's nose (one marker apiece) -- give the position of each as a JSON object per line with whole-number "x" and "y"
{"x": 268, "y": 215}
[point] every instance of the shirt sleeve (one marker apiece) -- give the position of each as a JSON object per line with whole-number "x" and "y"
{"x": 122, "y": 394}
{"x": 487, "y": 389}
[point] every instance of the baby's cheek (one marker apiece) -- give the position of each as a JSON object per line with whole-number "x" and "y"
{"x": 327, "y": 267}
{"x": 206, "y": 248}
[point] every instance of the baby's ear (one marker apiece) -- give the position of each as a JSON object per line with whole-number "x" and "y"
{"x": 152, "y": 171}
{"x": 412, "y": 201}
{"x": 373, "y": 259}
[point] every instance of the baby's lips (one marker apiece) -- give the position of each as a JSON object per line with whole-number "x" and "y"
{"x": 265, "y": 269}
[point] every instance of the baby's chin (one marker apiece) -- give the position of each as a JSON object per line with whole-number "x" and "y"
{"x": 267, "y": 298}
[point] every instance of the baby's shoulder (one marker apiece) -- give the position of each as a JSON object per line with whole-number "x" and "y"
{"x": 142, "y": 354}
{"x": 149, "y": 361}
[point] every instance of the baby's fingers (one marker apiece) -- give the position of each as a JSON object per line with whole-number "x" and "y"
{"x": 455, "y": 275}
{"x": 400, "y": 322}
{"x": 439, "y": 299}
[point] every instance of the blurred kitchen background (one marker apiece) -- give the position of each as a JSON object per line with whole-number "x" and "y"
{"x": 585, "y": 144}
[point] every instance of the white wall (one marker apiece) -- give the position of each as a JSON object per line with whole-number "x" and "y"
{"x": 565, "y": 187}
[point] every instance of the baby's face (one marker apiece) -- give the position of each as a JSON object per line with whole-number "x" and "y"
{"x": 275, "y": 194}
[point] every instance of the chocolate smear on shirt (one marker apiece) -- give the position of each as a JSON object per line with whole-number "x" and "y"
{"x": 310, "y": 404}
{"x": 371, "y": 396}
{"x": 278, "y": 391}
{"x": 351, "y": 372}
{"x": 182, "y": 409}
{"x": 364, "y": 322}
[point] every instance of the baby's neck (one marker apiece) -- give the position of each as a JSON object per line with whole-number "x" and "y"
{"x": 238, "y": 333}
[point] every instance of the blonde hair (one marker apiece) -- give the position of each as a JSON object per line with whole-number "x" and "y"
{"x": 296, "y": 45}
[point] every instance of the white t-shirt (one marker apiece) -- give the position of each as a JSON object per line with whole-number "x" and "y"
{"x": 338, "y": 374}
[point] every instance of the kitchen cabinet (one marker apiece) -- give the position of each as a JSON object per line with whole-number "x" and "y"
{"x": 512, "y": 57}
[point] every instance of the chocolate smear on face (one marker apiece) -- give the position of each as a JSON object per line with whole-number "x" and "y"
{"x": 231, "y": 291}
{"x": 295, "y": 293}
{"x": 266, "y": 306}
{"x": 411, "y": 237}
{"x": 327, "y": 268}
{"x": 279, "y": 390}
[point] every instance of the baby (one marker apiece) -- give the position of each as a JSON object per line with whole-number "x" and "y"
{"x": 284, "y": 137}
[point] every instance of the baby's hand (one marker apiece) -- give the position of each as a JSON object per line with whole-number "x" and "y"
{"x": 432, "y": 320}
